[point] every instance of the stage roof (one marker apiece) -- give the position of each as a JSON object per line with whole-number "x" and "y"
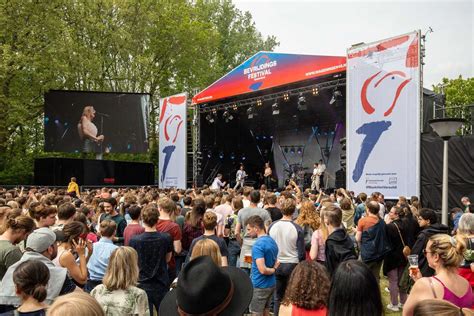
{"x": 267, "y": 70}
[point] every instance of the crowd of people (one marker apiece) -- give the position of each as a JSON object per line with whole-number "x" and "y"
{"x": 202, "y": 251}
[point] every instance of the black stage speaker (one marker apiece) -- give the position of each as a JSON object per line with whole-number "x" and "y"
{"x": 58, "y": 172}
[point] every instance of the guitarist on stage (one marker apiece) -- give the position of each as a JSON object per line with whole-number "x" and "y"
{"x": 240, "y": 177}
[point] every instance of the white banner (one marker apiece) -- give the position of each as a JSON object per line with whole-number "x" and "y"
{"x": 383, "y": 116}
{"x": 172, "y": 144}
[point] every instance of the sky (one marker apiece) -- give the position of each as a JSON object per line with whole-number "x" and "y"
{"x": 330, "y": 27}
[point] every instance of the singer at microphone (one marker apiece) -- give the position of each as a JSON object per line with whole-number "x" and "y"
{"x": 88, "y": 131}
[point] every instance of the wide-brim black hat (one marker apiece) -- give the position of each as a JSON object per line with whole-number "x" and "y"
{"x": 202, "y": 286}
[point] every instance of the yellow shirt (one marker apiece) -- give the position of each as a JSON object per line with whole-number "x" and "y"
{"x": 73, "y": 187}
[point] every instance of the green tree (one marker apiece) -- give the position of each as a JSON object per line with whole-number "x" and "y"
{"x": 156, "y": 47}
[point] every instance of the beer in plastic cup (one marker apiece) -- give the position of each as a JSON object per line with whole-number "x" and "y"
{"x": 248, "y": 258}
{"x": 413, "y": 262}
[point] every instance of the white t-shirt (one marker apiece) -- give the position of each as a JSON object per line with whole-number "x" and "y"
{"x": 216, "y": 184}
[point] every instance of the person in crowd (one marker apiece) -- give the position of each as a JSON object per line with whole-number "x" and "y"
{"x": 247, "y": 241}
{"x": 134, "y": 228}
{"x": 395, "y": 261}
{"x": 118, "y": 294}
{"x": 275, "y": 212}
{"x": 75, "y": 304}
{"x": 90, "y": 236}
{"x": 348, "y": 214}
{"x": 431, "y": 307}
{"x": 466, "y": 203}
{"x": 154, "y": 252}
{"x": 372, "y": 239}
{"x": 193, "y": 227}
{"x": 210, "y": 222}
{"x": 41, "y": 246}
{"x": 187, "y": 201}
{"x": 17, "y": 229}
{"x": 308, "y": 219}
{"x": 204, "y": 288}
{"x": 44, "y": 216}
{"x": 73, "y": 188}
{"x": 466, "y": 234}
{"x": 66, "y": 212}
{"x": 360, "y": 208}
{"x": 217, "y": 184}
{"x": 428, "y": 222}
{"x": 233, "y": 246}
{"x": 31, "y": 279}
{"x": 289, "y": 238}
{"x": 410, "y": 225}
{"x": 246, "y": 196}
{"x": 339, "y": 246}
{"x": 73, "y": 247}
{"x": 166, "y": 208}
{"x": 111, "y": 213}
{"x": 264, "y": 266}
{"x": 444, "y": 255}
{"x": 207, "y": 247}
{"x": 307, "y": 292}
{"x": 354, "y": 291}
{"x": 456, "y": 213}
{"x": 224, "y": 210}
{"x": 318, "y": 242}
{"x": 101, "y": 252}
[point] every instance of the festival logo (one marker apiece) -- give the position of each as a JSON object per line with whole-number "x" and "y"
{"x": 259, "y": 69}
{"x": 172, "y": 124}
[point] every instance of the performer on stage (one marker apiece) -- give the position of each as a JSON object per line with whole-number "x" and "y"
{"x": 217, "y": 184}
{"x": 240, "y": 177}
{"x": 322, "y": 170}
{"x": 315, "y": 178}
{"x": 88, "y": 131}
{"x": 267, "y": 176}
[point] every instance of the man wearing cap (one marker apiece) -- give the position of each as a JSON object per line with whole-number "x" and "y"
{"x": 40, "y": 246}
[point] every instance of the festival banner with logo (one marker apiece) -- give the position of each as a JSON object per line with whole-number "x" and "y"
{"x": 172, "y": 145}
{"x": 267, "y": 70}
{"x": 383, "y": 116}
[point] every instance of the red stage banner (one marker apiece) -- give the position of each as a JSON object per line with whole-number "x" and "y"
{"x": 267, "y": 70}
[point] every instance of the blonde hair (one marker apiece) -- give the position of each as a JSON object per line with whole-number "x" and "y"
{"x": 87, "y": 109}
{"x": 448, "y": 248}
{"x": 122, "y": 271}
{"x": 323, "y": 227}
{"x": 308, "y": 216}
{"x": 75, "y": 303}
{"x": 440, "y": 308}
{"x": 207, "y": 247}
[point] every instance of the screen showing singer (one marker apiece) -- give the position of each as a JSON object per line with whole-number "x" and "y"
{"x": 96, "y": 122}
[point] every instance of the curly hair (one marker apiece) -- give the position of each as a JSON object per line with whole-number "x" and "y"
{"x": 308, "y": 286}
{"x": 308, "y": 216}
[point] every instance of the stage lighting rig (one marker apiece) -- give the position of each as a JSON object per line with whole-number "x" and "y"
{"x": 251, "y": 113}
{"x": 227, "y": 116}
{"x": 336, "y": 95}
{"x": 286, "y": 96}
{"x": 315, "y": 91}
{"x": 210, "y": 118}
{"x": 275, "y": 108}
{"x": 302, "y": 106}
{"x": 259, "y": 102}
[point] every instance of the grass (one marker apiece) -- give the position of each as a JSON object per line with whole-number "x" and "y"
{"x": 386, "y": 296}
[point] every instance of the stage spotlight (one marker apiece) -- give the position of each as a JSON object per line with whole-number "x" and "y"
{"x": 300, "y": 150}
{"x": 209, "y": 154}
{"x": 234, "y": 107}
{"x": 210, "y": 118}
{"x": 259, "y": 102}
{"x": 56, "y": 121}
{"x": 243, "y": 157}
{"x": 335, "y": 96}
{"x": 292, "y": 150}
{"x": 286, "y": 96}
{"x": 251, "y": 112}
{"x": 46, "y": 120}
{"x": 302, "y": 103}
{"x": 315, "y": 91}
{"x": 227, "y": 116}
{"x": 275, "y": 109}
{"x": 221, "y": 155}
{"x": 232, "y": 156}
{"x": 264, "y": 137}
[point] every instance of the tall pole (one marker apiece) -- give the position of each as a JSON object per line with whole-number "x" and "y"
{"x": 444, "y": 207}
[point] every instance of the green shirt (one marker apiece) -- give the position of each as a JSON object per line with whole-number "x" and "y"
{"x": 9, "y": 254}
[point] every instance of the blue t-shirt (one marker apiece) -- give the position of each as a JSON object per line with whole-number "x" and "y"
{"x": 265, "y": 247}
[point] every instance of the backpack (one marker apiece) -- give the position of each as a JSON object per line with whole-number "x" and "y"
{"x": 375, "y": 244}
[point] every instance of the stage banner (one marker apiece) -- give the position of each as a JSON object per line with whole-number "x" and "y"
{"x": 172, "y": 142}
{"x": 383, "y": 116}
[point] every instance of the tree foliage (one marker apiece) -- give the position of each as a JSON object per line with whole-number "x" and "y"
{"x": 156, "y": 47}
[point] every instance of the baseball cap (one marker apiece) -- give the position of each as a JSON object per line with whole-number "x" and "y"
{"x": 40, "y": 239}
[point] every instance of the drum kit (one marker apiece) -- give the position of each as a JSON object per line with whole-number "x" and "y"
{"x": 298, "y": 174}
